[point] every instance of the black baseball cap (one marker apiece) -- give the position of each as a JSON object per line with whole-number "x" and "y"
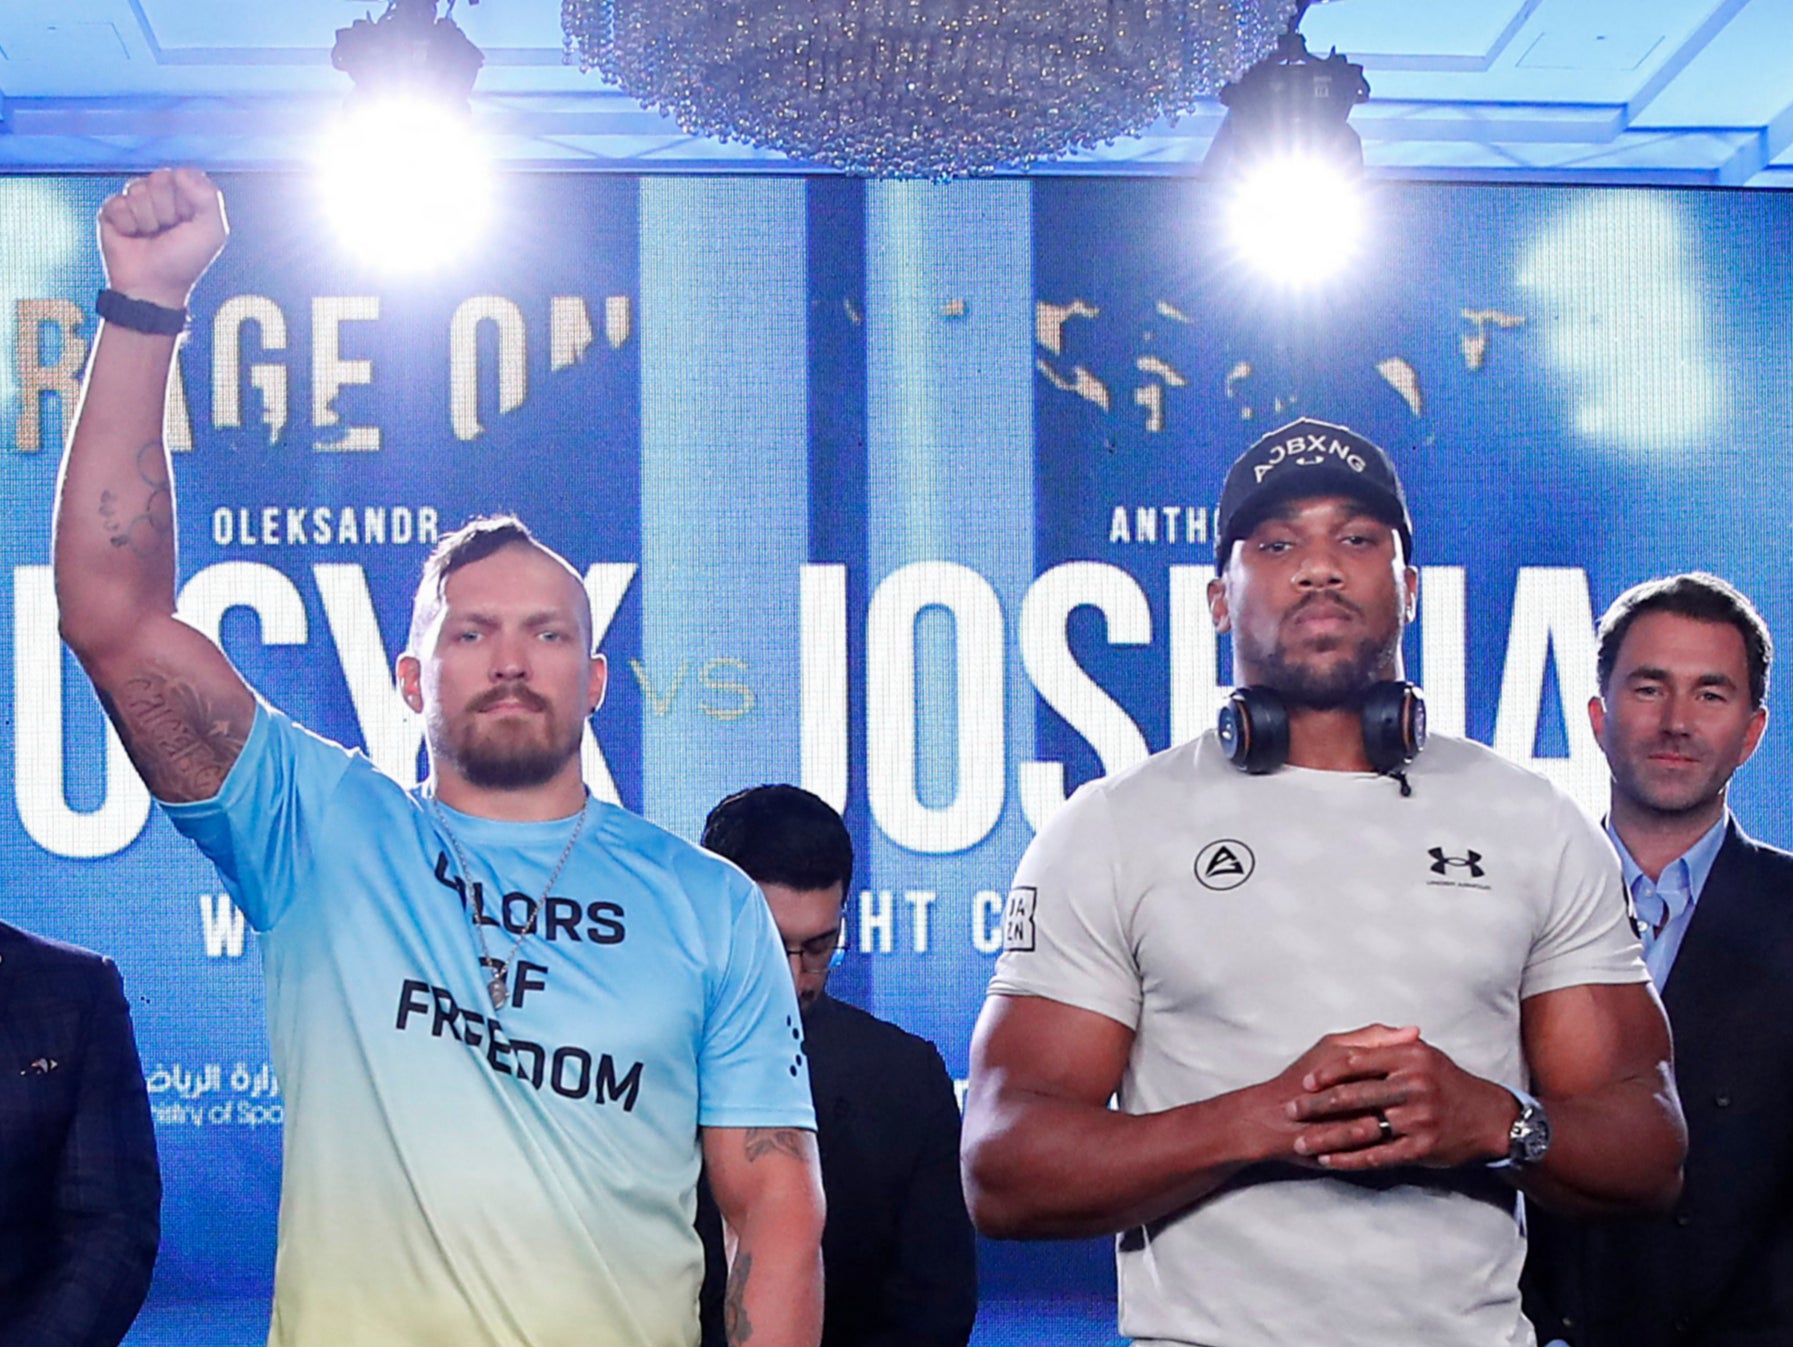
{"x": 1308, "y": 458}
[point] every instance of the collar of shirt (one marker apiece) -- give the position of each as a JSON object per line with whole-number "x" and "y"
{"x": 1677, "y": 889}
{"x": 1695, "y": 862}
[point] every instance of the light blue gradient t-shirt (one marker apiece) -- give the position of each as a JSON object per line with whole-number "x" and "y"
{"x": 459, "y": 1175}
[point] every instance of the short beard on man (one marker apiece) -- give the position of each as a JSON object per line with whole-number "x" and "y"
{"x": 1336, "y": 684}
{"x": 500, "y": 761}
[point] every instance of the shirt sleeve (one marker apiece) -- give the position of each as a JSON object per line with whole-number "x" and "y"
{"x": 261, "y": 827}
{"x": 1064, "y": 933}
{"x": 1586, "y": 936}
{"x": 751, "y": 1071}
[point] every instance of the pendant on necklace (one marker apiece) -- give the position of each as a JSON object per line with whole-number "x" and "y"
{"x": 496, "y": 987}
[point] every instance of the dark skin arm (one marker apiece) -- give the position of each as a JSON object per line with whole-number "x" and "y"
{"x": 1602, "y": 1065}
{"x": 1041, "y": 1075}
{"x": 181, "y": 709}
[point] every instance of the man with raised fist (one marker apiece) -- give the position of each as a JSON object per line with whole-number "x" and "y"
{"x": 509, "y": 1017}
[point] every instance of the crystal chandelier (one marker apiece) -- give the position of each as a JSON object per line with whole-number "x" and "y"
{"x": 921, "y": 88}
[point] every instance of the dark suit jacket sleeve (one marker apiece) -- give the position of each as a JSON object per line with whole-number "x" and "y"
{"x": 930, "y": 1292}
{"x": 1718, "y": 1270}
{"x": 107, "y": 1194}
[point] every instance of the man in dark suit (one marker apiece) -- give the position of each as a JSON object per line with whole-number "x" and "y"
{"x": 1683, "y": 670}
{"x": 898, "y": 1255}
{"x": 80, "y": 1191}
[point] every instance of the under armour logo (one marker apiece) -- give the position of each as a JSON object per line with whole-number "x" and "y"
{"x": 1471, "y": 862}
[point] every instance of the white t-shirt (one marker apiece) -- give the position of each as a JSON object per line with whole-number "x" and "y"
{"x": 1232, "y": 921}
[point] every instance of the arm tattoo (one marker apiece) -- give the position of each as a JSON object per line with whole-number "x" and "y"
{"x": 734, "y": 1304}
{"x": 770, "y": 1140}
{"x": 182, "y": 743}
{"x": 151, "y": 530}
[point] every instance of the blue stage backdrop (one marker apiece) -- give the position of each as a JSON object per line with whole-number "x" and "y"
{"x": 903, "y": 491}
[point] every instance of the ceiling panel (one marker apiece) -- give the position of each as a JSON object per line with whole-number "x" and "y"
{"x": 1417, "y": 34}
{"x": 1624, "y": 90}
{"x": 52, "y": 46}
{"x": 1739, "y": 78}
{"x": 176, "y": 24}
{"x": 1569, "y": 45}
{"x": 1572, "y": 49}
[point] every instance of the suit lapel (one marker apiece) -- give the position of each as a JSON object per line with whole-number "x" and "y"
{"x": 1720, "y": 940}
{"x": 827, "y": 1076}
{"x": 15, "y": 956}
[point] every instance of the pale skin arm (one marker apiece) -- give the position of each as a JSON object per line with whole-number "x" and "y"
{"x": 1043, "y": 1156}
{"x": 181, "y": 709}
{"x": 1602, "y": 1065}
{"x": 768, "y": 1187}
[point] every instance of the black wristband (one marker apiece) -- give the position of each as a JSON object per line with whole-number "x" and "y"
{"x": 139, "y": 314}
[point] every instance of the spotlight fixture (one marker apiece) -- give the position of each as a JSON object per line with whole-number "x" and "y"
{"x": 1290, "y": 103}
{"x": 409, "y": 52}
{"x": 404, "y": 176}
{"x": 1286, "y": 139}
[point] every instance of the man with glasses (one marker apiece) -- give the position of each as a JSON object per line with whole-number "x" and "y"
{"x": 897, "y": 1253}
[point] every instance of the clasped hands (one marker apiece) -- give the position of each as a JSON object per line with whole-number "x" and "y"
{"x": 1379, "y": 1097}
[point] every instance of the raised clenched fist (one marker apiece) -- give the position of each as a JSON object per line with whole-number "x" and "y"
{"x": 160, "y": 233}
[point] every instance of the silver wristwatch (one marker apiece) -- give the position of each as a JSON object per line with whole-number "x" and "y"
{"x": 1529, "y": 1138}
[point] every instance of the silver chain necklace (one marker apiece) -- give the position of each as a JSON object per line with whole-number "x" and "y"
{"x": 497, "y": 984}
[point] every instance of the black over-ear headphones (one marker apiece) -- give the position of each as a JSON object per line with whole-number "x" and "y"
{"x": 1254, "y": 727}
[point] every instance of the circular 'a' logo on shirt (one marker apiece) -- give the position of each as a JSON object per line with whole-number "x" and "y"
{"x": 1225, "y": 864}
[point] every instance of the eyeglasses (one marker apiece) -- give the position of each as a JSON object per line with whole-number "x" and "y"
{"x": 819, "y": 953}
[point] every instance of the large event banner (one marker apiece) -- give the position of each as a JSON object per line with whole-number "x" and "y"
{"x": 902, "y": 491}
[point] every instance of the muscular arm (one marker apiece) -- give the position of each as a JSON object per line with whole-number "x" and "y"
{"x": 1601, "y": 1064}
{"x": 768, "y": 1186}
{"x": 1044, "y": 1156}
{"x": 181, "y": 709}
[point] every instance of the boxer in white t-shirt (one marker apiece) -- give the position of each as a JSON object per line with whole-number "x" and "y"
{"x": 1351, "y": 999}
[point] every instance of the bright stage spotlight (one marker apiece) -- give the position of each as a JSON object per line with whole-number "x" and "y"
{"x": 1298, "y": 219}
{"x": 405, "y": 183}
{"x": 405, "y": 179}
{"x": 1291, "y": 163}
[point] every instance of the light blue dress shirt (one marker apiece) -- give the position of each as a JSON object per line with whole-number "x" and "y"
{"x": 1665, "y": 905}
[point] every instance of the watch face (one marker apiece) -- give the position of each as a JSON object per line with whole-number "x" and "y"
{"x": 1531, "y": 1136}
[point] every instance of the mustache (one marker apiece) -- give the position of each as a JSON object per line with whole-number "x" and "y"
{"x": 521, "y": 693}
{"x": 1321, "y": 599}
